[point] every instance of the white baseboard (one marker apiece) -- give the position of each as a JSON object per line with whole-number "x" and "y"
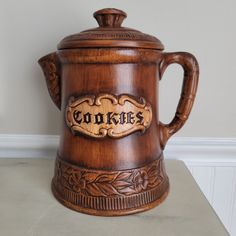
{"x": 202, "y": 151}
{"x": 191, "y": 150}
{"x": 28, "y": 146}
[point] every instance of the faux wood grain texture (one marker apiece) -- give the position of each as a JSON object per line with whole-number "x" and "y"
{"x": 113, "y": 73}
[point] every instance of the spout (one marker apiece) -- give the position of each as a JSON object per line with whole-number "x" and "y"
{"x": 51, "y": 67}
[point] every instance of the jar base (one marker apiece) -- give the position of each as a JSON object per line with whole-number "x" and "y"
{"x": 110, "y": 193}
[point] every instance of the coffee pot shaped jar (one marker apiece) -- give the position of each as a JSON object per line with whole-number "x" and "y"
{"x": 105, "y": 82}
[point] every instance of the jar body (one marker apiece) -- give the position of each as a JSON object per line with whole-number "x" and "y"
{"x": 135, "y": 78}
{"x": 130, "y": 166}
{"x": 105, "y": 82}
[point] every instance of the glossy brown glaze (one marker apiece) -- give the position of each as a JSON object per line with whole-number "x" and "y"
{"x": 189, "y": 89}
{"x": 110, "y": 155}
{"x": 51, "y": 68}
{"x": 135, "y": 79}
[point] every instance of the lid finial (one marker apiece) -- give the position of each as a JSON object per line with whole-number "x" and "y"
{"x": 109, "y": 17}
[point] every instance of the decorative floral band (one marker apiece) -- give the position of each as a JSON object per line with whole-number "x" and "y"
{"x": 108, "y": 183}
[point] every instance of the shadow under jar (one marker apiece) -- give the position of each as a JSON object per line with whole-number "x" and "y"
{"x": 105, "y": 82}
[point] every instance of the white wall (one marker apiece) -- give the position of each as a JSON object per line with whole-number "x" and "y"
{"x": 31, "y": 28}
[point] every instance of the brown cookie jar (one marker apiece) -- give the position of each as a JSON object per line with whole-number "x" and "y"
{"x": 105, "y": 82}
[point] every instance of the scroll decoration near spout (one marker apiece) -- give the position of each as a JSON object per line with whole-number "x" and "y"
{"x": 51, "y": 68}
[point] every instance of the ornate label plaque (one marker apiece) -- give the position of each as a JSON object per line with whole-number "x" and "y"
{"x": 108, "y": 115}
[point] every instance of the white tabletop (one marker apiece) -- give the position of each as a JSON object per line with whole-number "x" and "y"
{"x": 27, "y": 207}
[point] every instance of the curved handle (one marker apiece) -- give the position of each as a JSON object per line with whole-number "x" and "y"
{"x": 51, "y": 67}
{"x": 189, "y": 89}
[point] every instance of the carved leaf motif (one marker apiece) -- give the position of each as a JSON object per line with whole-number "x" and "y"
{"x": 105, "y": 178}
{"x": 128, "y": 191}
{"x": 121, "y": 184}
{"x": 93, "y": 190}
{"x": 90, "y": 176}
{"x": 154, "y": 181}
{"x": 123, "y": 176}
{"x": 107, "y": 189}
{"x": 93, "y": 183}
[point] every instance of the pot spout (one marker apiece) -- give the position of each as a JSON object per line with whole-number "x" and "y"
{"x": 51, "y": 67}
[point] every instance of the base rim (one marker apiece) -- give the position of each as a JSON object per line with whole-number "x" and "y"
{"x": 108, "y": 213}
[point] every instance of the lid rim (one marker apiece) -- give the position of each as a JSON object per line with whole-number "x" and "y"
{"x": 110, "y": 33}
{"x": 107, "y": 44}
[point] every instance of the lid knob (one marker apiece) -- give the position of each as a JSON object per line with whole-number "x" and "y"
{"x": 109, "y": 17}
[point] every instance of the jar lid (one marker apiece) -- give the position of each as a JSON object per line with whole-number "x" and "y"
{"x": 110, "y": 33}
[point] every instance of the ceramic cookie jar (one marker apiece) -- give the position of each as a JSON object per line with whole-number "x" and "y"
{"x": 105, "y": 82}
